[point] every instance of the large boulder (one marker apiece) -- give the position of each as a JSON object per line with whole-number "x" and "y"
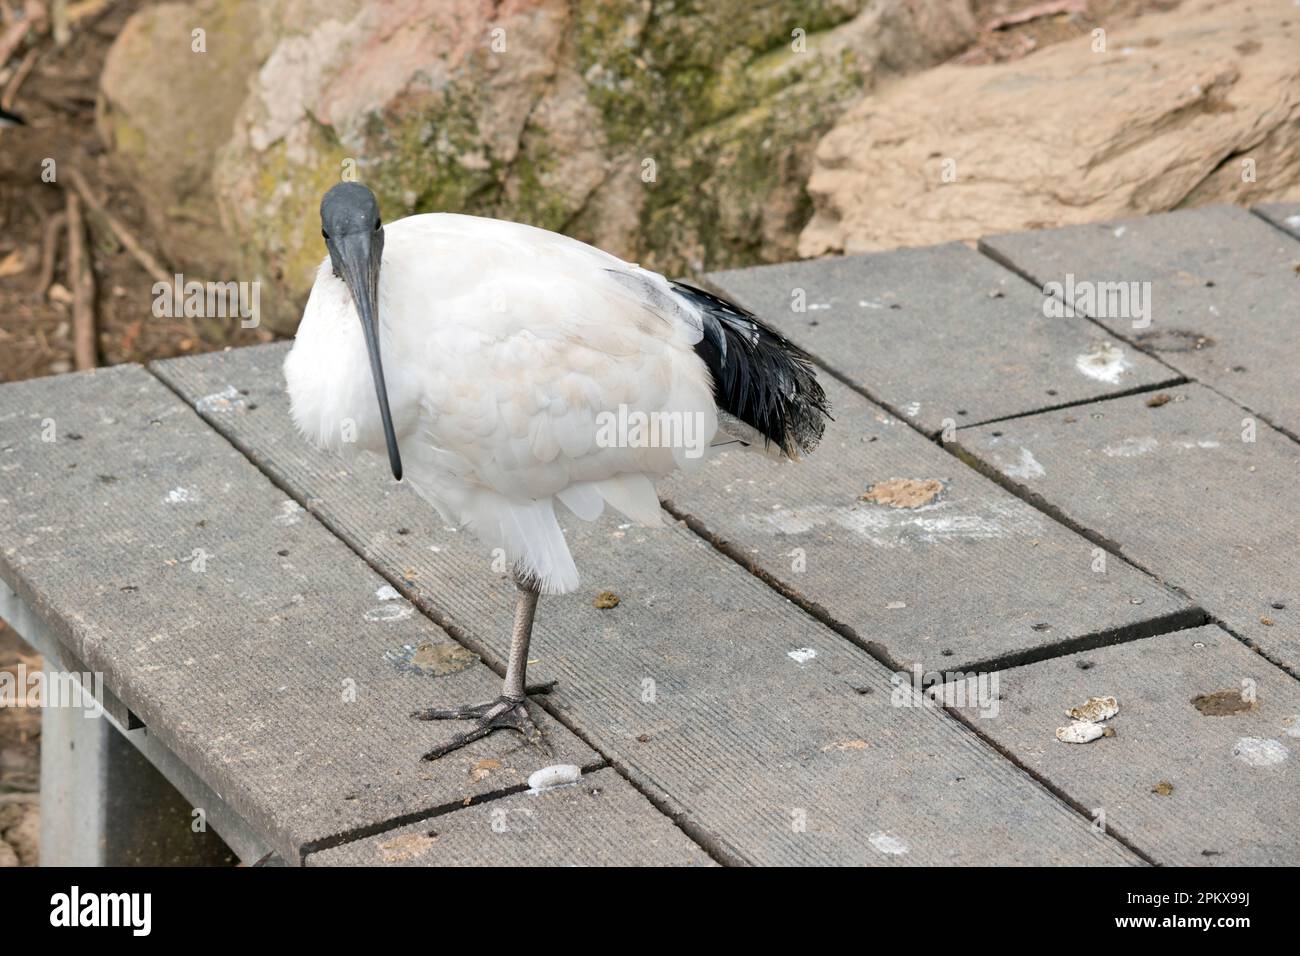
{"x": 674, "y": 134}
{"x": 1174, "y": 109}
{"x": 168, "y": 97}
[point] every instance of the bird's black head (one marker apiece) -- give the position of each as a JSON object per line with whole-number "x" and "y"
{"x": 354, "y": 236}
{"x": 349, "y": 208}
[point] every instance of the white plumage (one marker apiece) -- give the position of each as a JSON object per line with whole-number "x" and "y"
{"x": 505, "y": 368}
{"x": 502, "y": 345}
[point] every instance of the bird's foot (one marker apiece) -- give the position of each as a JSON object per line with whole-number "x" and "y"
{"x": 504, "y": 713}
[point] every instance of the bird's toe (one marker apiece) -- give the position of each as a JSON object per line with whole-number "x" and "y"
{"x": 504, "y": 713}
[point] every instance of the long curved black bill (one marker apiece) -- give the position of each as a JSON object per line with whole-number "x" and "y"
{"x": 358, "y": 258}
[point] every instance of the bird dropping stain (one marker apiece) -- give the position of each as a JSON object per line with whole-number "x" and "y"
{"x": 1026, "y": 467}
{"x": 889, "y": 527}
{"x": 1106, "y": 363}
{"x": 389, "y": 613}
{"x": 431, "y": 660}
{"x": 556, "y": 775}
{"x": 290, "y": 513}
{"x": 1080, "y": 732}
{"x": 226, "y": 400}
{"x": 1259, "y": 751}
{"x": 1095, "y": 709}
{"x": 887, "y": 844}
{"x": 406, "y": 847}
{"x": 1222, "y": 703}
{"x": 904, "y": 492}
{"x": 1132, "y": 447}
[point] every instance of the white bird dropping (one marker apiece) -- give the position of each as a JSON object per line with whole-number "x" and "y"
{"x": 556, "y": 775}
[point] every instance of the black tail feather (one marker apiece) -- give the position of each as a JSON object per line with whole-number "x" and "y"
{"x": 758, "y": 376}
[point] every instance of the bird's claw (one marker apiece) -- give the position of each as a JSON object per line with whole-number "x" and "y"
{"x": 504, "y": 713}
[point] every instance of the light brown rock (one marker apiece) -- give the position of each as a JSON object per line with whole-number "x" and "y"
{"x": 167, "y": 100}
{"x": 1166, "y": 116}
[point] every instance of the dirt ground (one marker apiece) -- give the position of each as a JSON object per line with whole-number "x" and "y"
{"x": 57, "y": 102}
{"x": 20, "y": 736}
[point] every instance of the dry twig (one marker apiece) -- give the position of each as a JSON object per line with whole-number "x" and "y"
{"x": 12, "y": 38}
{"x": 49, "y": 252}
{"x": 60, "y": 26}
{"x": 20, "y": 74}
{"x": 86, "y": 8}
{"x": 124, "y": 236}
{"x": 82, "y": 280}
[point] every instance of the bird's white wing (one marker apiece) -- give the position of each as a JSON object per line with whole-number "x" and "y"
{"x": 531, "y": 357}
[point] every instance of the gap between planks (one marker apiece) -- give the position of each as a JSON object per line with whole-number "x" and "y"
{"x": 354, "y": 834}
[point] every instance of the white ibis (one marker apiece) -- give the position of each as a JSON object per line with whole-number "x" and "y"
{"x": 494, "y": 362}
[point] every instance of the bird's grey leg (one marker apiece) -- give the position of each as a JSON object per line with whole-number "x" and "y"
{"x": 510, "y": 710}
{"x": 516, "y": 687}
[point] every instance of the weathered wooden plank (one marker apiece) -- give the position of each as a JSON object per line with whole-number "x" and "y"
{"x": 1221, "y": 285}
{"x": 1183, "y": 484}
{"x": 976, "y": 578}
{"x": 1203, "y": 765}
{"x": 760, "y": 730}
{"x": 600, "y": 821}
{"x": 1284, "y": 215}
{"x": 942, "y": 336}
{"x": 251, "y": 642}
